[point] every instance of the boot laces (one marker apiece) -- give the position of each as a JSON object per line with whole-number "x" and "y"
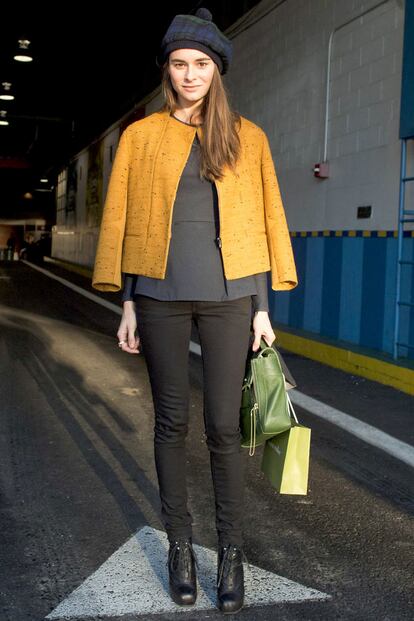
{"x": 227, "y": 560}
{"x": 180, "y": 554}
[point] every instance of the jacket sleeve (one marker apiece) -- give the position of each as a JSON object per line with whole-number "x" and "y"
{"x": 130, "y": 281}
{"x": 282, "y": 262}
{"x": 107, "y": 269}
{"x": 261, "y": 301}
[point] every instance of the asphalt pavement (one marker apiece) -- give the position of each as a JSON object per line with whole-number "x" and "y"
{"x": 81, "y": 535}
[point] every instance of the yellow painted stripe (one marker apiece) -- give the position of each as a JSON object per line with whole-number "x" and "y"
{"x": 372, "y": 368}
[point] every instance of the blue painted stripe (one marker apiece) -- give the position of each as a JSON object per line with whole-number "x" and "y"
{"x": 279, "y": 302}
{"x": 331, "y": 291}
{"x": 389, "y": 295}
{"x": 297, "y": 295}
{"x": 373, "y": 293}
{"x": 405, "y": 286}
{"x": 351, "y": 290}
{"x": 312, "y": 304}
{"x": 407, "y": 295}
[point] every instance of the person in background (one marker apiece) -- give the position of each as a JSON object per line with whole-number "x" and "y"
{"x": 193, "y": 221}
{"x": 11, "y": 243}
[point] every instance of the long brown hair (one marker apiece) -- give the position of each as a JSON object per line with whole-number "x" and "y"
{"x": 220, "y": 145}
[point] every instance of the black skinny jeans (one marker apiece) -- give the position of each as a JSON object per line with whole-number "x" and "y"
{"x": 164, "y": 328}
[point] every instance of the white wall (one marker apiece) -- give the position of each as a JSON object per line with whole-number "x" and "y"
{"x": 278, "y": 80}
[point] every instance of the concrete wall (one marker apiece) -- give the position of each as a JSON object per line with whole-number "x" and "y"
{"x": 279, "y": 80}
{"x": 76, "y": 232}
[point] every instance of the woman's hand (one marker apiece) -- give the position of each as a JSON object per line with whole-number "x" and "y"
{"x": 127, "y": 328}
{"x": 262, "y": 328}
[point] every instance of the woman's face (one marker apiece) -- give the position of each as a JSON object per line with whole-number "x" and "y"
{"x": 191, "y": 73}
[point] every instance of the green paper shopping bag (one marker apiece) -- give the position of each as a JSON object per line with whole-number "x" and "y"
{"x": 285, "y": 460}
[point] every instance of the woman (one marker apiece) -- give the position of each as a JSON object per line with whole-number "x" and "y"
{"x": 194, "y": 220}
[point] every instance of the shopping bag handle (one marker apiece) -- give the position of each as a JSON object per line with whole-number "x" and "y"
{"x": 291, "y": 407}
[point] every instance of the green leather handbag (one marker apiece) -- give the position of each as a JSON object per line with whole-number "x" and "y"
{"x": 264, "y": 410}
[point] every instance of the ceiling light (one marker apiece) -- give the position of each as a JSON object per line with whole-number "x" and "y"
{"x": 44, "y": 180}
{"x": 23, "y": 55}
{"x": 3, "y": 120}
{"x": 5, "y": 93}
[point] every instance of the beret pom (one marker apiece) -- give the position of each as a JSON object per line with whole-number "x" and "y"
{"x": 204, "y": 14}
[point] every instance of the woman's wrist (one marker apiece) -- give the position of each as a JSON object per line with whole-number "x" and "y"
{"x": 129, "y": 305}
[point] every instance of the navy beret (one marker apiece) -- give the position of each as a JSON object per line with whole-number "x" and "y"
{"x": 200, "y": 33}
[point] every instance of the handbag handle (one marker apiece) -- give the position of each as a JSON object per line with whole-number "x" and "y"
{"x": 258, "y": 353}
{"x": 264, "y": 347}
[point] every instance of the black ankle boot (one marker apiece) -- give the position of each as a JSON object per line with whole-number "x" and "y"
{"x": 230, "y": 578}
{"x": 182, "y": 572}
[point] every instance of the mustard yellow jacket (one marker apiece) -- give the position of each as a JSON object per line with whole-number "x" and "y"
{"x": 136, "y": 227}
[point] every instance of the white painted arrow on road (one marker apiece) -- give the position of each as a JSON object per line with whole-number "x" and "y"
{"x": 134, "y": 580}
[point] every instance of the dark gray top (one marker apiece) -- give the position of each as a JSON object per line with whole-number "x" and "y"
{"x": 194, "y": 265}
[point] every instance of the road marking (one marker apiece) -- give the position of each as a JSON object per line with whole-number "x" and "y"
{"x": 398, "y": 449}
{"x": 134, "y": 580}
{"x": 87, "y": 294}
{"x": 402, "y": 451}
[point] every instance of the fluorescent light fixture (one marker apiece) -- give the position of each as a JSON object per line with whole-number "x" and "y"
{"x": 3, "y": 120}
{"x": 23, "y": 55}
{"x": 5, "y": 93}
